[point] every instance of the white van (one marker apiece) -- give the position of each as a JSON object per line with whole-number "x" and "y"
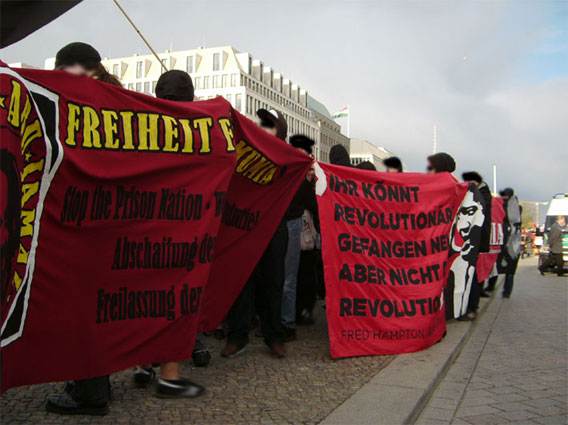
{"x": 558, "y": 206}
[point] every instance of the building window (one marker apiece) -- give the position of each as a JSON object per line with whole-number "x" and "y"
{"x": 139, "y": 69}
{"x": 197, "y": 82}
{"x": 216, "y": 81}
{"x": 131, "y": 86}
{"x": 229, "y": 98}
{"x": 154, "y": 86}
{"x": 238, "y": 99}
{"x": 147, "y": 87}
{"x": 216, "y": 64}
{"x": 115, "y": 71}
{"x": 224, "y": 82}
{"x": 205, "y": 82}
{"x": 189, "y": 64}
{"x": 138, "y": 87}
{"x": 234, "y": 80}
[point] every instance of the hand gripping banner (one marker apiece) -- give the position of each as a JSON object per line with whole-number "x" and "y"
{"x": 112, "y": 203}
{"x": 385, "y": 242}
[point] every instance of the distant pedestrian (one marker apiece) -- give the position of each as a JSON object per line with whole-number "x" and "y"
{"x": 555, "y": 256}
{"x": 338, "y": 155}
{"x": 393, "y": 164}
{"x": 440, "y": 162}
{"x": 366, "y": 165}
{"x": 511, "y": 251}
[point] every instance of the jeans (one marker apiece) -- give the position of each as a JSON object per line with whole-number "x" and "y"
{"x": 508, "y": 286}
{"x": 291, "y": 272}
{"x": 268, "y": 276}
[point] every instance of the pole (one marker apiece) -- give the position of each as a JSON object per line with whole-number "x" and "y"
{"x": 537, "y": 215}
{"x": 348, "y": 119}
{"x": 494, "y": 180}
{"x": 435, "y": 145}
{"x": 140, "y": 34}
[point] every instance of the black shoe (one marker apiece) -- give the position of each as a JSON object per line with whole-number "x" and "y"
{"x": 541, "y": 271}
{"x": 181, "y": 388}
{"x": 69, "y": 386}
{"x": 506, "y": 296}
{"x": 306, "y": 318}
{"x": 289, "y": 334}
{"x": 201, "y": 358}
{"x": 65, "y": 405}
{"x": 484, "y": 295}
{"x": 143, "y": 377}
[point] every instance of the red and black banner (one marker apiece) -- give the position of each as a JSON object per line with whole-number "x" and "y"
{"x": 116, "y": 207}
{"x": 385, "y": 242}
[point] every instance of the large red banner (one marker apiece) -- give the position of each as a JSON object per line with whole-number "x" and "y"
{"x": 486, "y": 260}
{"x": 113, "y": 206}
{"x": 385, "y": 242}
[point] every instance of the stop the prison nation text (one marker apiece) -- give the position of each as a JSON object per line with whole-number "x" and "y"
{"x": 129, "y": 203}
{"x": 127, "y": 304}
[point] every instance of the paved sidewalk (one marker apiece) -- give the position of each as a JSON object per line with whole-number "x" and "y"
{"x": 513, "y": 370}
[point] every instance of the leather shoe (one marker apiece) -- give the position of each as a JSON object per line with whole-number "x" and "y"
{"x": 232, "y": 350}
{"x": 65, "y": 405}
{"x": 278, "y": 350}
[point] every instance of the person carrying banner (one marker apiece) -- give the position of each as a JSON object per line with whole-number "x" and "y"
{"x": 83, "y": 396}
{"x": 338, "y": 155}
{"x": 177, "y": 86}
{"x": 268, "y": 276}
{"x": 555, "y": 244}
{"x": 509, "y": 256}
{"x": 440, "y": 162}
{"x": 393, "y": 164}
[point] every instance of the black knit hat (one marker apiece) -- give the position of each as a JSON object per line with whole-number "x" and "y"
{"x": 472, "y": 176}
{"x": 338, "y": 155}
{"x": 393, "y": 162}
{"x": 302, "y": 142}
{"x": 366, "y": 165}
{"x": 508, "y": 192}
{"x": 78, "y": 53}
{"x": 442, "y": 162}
{"x": 175, "y": 85}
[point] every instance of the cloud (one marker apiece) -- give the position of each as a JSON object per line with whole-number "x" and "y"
{"x": 398, "y": 64}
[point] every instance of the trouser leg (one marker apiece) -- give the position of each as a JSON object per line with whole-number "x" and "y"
{"x": 92, "y": 391}
{"x": 474, "y": 294}
{"x": 306, "y": 294}
{"x": 271, "y": 281}
{"x": 492, "y": 281}
{"x": 508, "y": 286}
{"x": 291, "y": 264}
{"x": 239, "y": 317}
{"x": 200, "y": 342}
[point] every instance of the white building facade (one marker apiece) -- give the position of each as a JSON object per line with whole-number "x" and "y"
{"x": 363, "y": 150}
{"x": 245, "y": 82}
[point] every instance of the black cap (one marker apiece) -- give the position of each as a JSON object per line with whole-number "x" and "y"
{"x": 302, "y": 142}
{"x": 472, "y": 176}
{"x": 508, "y": 192}
{"x": 393, "y": 162}
{"x": 78, "y": 53}
{"x": 175, "y": 85}
{"x": 271, "y": 119}
{"x": 442, "y": 162}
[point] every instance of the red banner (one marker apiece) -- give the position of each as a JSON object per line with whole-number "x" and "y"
{"x": 112, "y": 203}
{"x": 385, "y": 241}
{"x": 486, "y": 260}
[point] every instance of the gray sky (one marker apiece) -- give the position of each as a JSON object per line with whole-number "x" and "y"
{"x": 399, "y": 65}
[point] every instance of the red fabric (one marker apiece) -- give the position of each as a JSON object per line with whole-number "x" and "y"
{"x": 486, "y": 260}
{"x": 74, "y": 323}
{"x": 365, "y": 305}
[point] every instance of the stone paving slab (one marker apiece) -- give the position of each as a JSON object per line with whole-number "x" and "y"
{"x": 516, "y": 360}
{"x": 254, "y": 388}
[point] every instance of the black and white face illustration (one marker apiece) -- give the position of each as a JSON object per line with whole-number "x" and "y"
{"x": 469, "y": 221}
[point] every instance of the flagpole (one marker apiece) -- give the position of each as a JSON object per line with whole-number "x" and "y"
{"x": 140, "y": 34}
{"x": 348, "y": 119}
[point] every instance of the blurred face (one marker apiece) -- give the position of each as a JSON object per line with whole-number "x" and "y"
{"x": 270, "y": 130}
{"x": 561, "y": 220}
{"x": 430, "y": 169}
{"x": 77, "y": 70}
{"x": 392, "y": 170}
